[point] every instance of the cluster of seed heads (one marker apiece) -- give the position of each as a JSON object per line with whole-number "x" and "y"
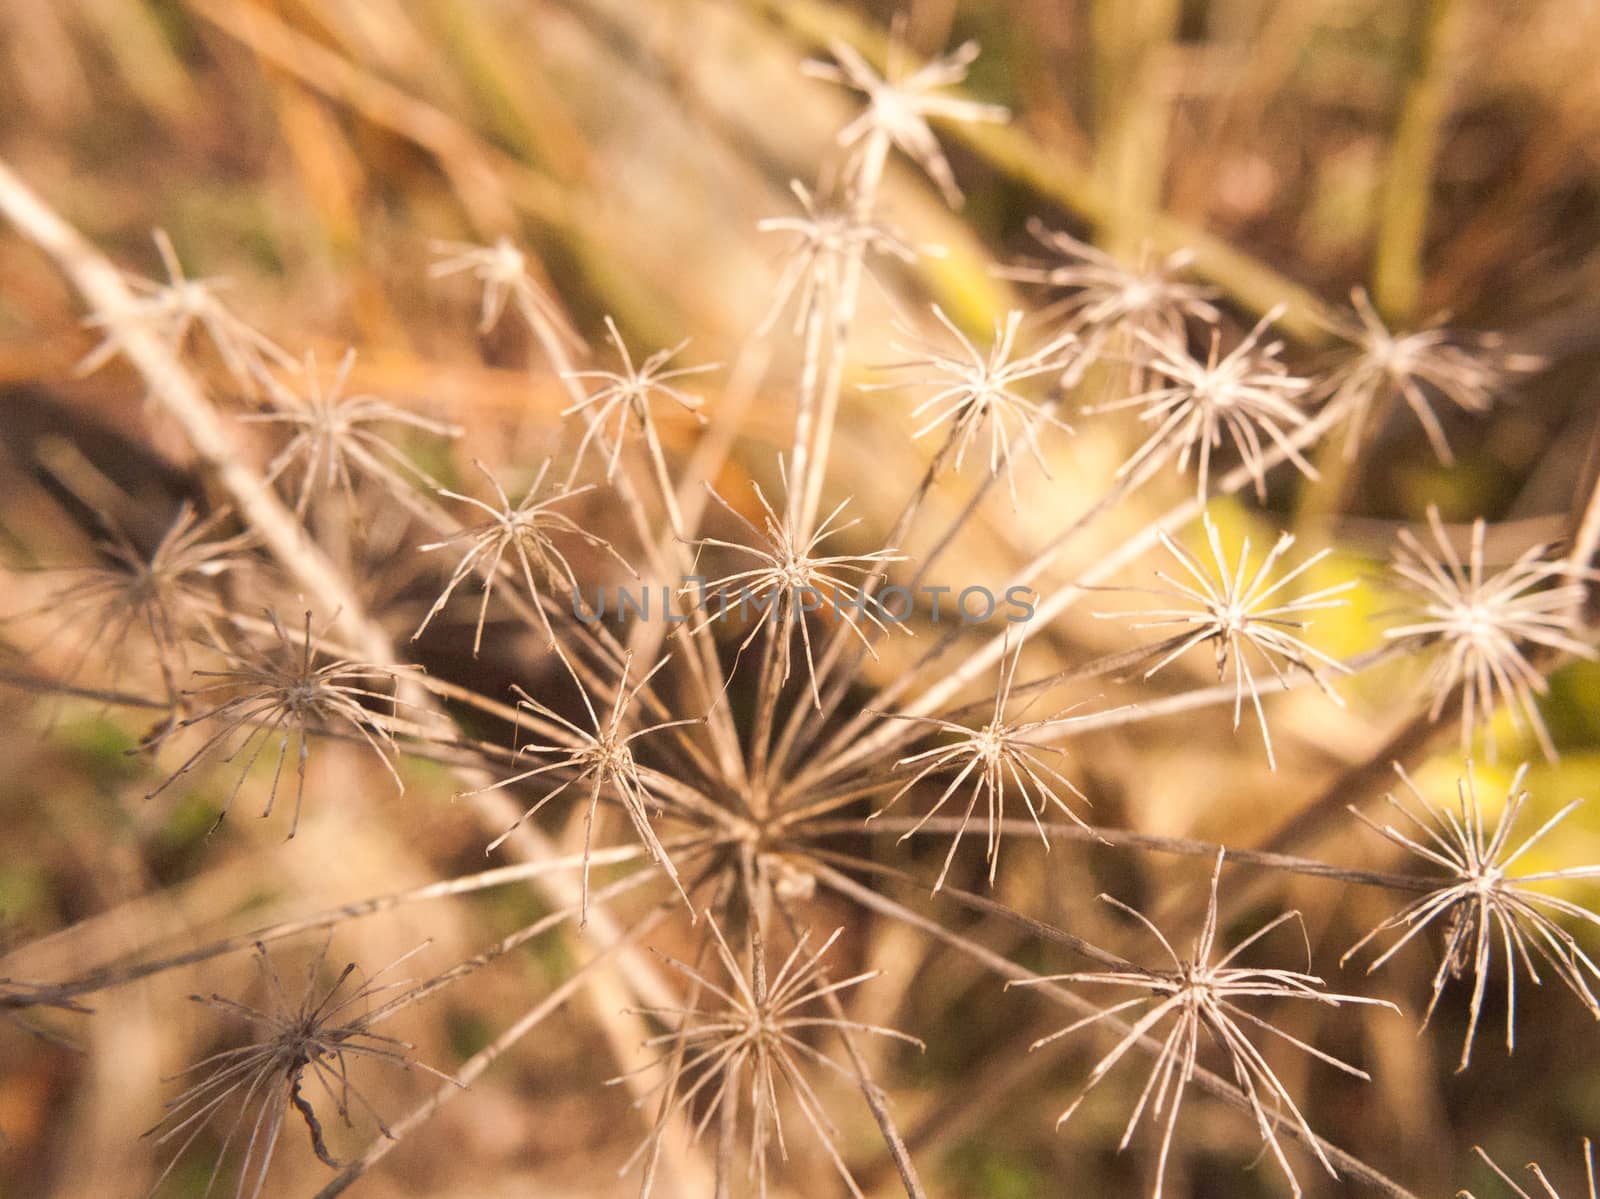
{"x": 744, "y": 791}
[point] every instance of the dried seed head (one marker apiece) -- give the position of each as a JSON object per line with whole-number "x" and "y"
{"x": 502, "y": 270}
{"x": 1246, "y": 394}
{"x": 624, "y": 397}
{"x": 171, "y": 594}
{"x": 1108, "y": 302}
{"x": 754, "y": 1036}
{"x": 825, "y": 238}
{"x": 900, "y": 102}
{"x": 333, "y": 434}
{"x": 516, "y": 540}
{"x": 599, "y": 760}
{"x": 1485, "y": 623}
{"x": 171, "y": 310}
{"x": 292, "y": 1045}
{"x": 282, "y": 693}
{"x": 972, "y": 391}
{"x": 1236, "y": 615}
{"x": 1480, "y": 903}
{"x": 1198, "y": 995}
{"x": 793, "y": 578}
{"x": 1420, "y": 368}
{"x": 1005, "y": 756}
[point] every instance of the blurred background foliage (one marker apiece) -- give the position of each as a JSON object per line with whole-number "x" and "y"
{"x": 1443, "y": 153}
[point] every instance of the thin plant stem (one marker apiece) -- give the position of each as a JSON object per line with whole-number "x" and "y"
{"x": 130, "y": 968}
{"x": 1585, "y": 540}
{"x": 1407, "y": 187}
{"x": 864, "y": 198}
{"x": 1131, "y": 44}
{"x": 877, "y": 1101}
{"x": 1122, "y": 838}
{"x": 988, "y": 907}
{"x": 1223, "y": 693}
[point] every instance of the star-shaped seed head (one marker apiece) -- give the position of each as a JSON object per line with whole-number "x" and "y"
{"x": 1421, "y": 368}
{"x": 972, "y": 391}
{"x": 502, "y": 271}
{"x": 1481, "y": 903}
{"x": 334, "y": 435}
{"x": 1205, "y": 994}
{"x": 1246, "y": 395}
{"x": 900, "y": 102}
{"x": 624, "y": 398}
{"x": 1244, "y": 617}
{"x": 754, "y": 1036}
{"x": 1004, "y": 758}
{"x": 1487, "y": 623}
{"x": 824, "y": 239}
